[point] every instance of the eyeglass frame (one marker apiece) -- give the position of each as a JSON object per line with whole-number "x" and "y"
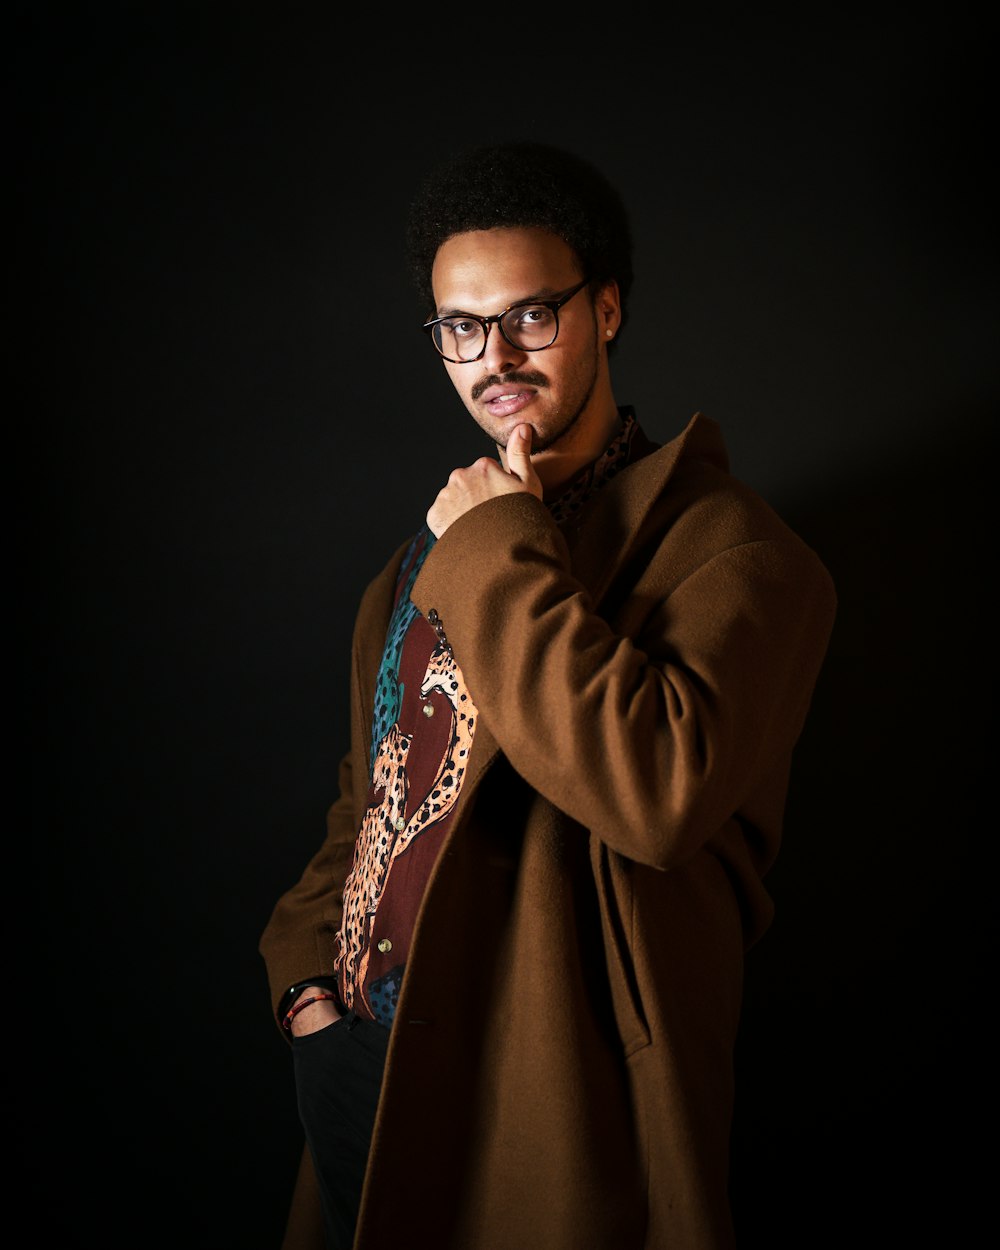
{"x": 553, "y": 305}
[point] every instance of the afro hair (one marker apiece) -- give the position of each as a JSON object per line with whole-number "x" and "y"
{"x": 522, "y": 184}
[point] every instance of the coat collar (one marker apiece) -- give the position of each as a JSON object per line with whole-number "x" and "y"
{"x": 602, "y": 540}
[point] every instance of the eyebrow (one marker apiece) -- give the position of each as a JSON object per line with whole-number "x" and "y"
{"x": 544, "y": 293}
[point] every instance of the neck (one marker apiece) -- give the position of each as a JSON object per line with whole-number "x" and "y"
{"x": 579, "y": 446}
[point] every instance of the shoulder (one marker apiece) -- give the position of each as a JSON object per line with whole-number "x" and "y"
{"x": 689, "y": 479}
{"x": 688, "y": 508}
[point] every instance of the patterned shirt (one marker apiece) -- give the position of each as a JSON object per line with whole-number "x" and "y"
{"x": 423, "y": 725}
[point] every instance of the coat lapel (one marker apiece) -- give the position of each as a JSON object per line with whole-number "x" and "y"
{"x": 605, "y": 536}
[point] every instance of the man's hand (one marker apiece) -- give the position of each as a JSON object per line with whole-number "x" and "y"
{"x": 486, "y": 480}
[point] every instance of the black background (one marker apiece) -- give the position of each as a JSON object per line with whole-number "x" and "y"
{"x": 226, "y": 422}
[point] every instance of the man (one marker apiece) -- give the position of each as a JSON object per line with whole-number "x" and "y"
{"x": 511, "y": 975}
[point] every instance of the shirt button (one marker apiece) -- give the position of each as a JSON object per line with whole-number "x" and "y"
{"x": 385, "y": 946}
{"x": 428, "y": 709}
{"x": 400, "y": 824}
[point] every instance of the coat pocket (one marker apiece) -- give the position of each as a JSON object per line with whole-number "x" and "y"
{"x": 615, "y": 898}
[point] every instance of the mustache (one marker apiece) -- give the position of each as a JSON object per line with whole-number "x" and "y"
{"x": 527, "y": 377}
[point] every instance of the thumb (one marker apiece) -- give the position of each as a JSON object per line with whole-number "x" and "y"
{"x": 519, "y": 458}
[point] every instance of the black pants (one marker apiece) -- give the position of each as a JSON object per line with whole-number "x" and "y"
{"x": 338, "y": 1076}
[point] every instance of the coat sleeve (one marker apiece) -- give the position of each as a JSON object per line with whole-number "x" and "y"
{"x": 299, "y": 940}
{"x": 650, "y": 724}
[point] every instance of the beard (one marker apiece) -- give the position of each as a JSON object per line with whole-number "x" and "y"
{"x": 559, "y": 422}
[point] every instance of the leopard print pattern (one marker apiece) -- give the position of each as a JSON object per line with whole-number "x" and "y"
{"x": 615, "y": 458}
{"x": 373, "y": 854}
{"x": 443, "y": 674}
{"x": 384, "y": 833}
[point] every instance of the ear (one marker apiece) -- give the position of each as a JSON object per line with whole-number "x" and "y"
{"x": 608, "y": 310}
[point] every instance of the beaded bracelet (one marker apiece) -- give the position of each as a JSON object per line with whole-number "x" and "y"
{"x": 290, "y": 1015}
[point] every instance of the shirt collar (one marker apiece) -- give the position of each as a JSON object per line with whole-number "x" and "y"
{"x": 572, "y": 498}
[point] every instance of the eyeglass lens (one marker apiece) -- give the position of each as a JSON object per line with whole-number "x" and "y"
{"x": 528, "y": 327}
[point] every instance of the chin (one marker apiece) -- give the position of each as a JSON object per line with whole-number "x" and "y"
{"x": 546, "y": 438}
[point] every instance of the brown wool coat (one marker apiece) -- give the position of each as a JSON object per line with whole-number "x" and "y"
{"x": 560, "y": 1070}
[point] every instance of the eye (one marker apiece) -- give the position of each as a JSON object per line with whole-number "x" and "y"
{"x": 461, "y": 327}
{"x": 531, "y": 317}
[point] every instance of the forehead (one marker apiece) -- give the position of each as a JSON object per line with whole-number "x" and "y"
{"x": 483, "y": 271}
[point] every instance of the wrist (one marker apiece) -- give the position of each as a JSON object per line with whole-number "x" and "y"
{"x": 322, "y": 983}
{"x": 303, "y": 1003}
{"x": 307, "y": 991}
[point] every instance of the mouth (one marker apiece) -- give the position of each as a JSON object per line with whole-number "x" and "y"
{"x": 504, "y": 396}
{"x": 504, "y": 401}
{"x": 506, "y": 391}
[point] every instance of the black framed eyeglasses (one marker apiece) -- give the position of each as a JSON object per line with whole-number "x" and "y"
{"x": 530, "y": 326}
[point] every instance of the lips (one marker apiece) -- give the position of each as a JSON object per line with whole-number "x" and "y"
{"x": 504, "y": 401}
{"x": 505, "y": 390}
{"x": 504, "y": 386}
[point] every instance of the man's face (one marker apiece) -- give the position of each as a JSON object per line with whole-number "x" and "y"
{"x": 553, "y": 390}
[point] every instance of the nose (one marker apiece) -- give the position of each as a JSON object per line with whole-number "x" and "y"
{"x": 500, "y": 356}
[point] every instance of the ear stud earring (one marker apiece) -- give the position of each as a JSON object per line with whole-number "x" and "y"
{"x": 609, "y": 333}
